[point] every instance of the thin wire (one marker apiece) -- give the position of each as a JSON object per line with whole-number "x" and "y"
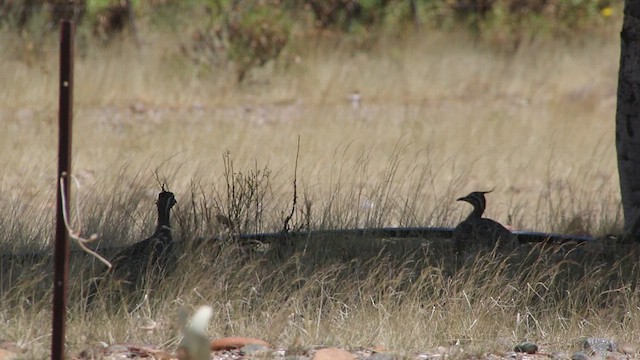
{"x": 76, "y": 234}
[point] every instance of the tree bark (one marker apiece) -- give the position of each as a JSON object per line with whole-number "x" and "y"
{"x": 628, "y": 119}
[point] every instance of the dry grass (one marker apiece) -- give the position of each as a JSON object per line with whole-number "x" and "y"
{"x": 408, "y": 303}
{"x": 536, "y": 125}
{"x": 441, "y": 117}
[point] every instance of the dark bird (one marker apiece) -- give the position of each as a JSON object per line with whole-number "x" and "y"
{"x": 477, "y": 230}
{"x": 146, "y": 260}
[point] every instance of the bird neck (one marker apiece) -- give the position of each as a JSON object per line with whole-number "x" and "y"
{"x": 163, "y": 221}
{"x": 476, "y": 213}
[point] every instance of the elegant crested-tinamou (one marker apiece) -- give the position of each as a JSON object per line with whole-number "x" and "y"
{"x": 476, "y": 231}
{"x": 145, "y": 262}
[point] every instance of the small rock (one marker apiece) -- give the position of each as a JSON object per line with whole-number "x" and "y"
{"x": 332, "y": 354}
{"x": 616, "y": 356}
{"x": 559, "y": 355}
{"x": 598, "y": 345}
{"x": 162, "y": 355}
{"x": 526, "y": 347}
{"x": 252, "y": 349}
{"x": 382, "y": 356}
{"x": 10, "y": 346}
{"x": 138, "y": 108}
{"x": 628, "y": 348}
{"x": 231, "y": 343}
{"x": 442, "y": 350}
{"x": 7, "y": 355}
{"x": 280, "y": 353}
{"x": 511, "y": 355}
{"x": 579, "y": 356}
{"x": 116, "y": 349}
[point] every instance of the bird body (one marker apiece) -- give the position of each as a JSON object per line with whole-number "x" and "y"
{"x": 478, "y": 230}
{"x": 148, "y": 259}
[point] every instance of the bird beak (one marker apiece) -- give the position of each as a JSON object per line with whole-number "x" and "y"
{"x": 461, "y": 199}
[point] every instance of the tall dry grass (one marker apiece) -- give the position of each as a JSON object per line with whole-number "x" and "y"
{"x": 536, "y": 125}
{"x": 441, "y": 116}
{"x": 406, "y": 303}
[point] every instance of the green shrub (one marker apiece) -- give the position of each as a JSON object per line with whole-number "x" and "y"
{"x": 256, "y": 35}
{"x": 511, "y": 22}
{"x": 244, "y": 34}
{"x": 349, "y": 14}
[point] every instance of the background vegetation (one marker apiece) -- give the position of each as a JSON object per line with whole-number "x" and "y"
{"x": 211, "y": 97}
{"x": 249, "y": 34}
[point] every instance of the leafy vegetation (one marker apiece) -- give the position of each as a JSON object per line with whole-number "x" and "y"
{"x": 250, "y": 34}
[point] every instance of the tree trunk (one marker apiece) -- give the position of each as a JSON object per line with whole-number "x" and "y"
{"x": 628, "y": 118}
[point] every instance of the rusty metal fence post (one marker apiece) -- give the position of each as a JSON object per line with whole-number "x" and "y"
{"x": 61, "y": 247}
